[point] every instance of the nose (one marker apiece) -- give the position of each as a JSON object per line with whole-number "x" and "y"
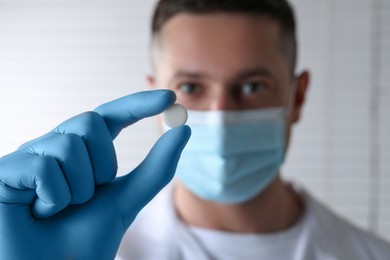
{"x": 223, "y": 100}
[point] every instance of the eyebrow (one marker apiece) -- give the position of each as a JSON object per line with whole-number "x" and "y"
{"x": 187, "y": 74}
{"x": 242, "y": 75}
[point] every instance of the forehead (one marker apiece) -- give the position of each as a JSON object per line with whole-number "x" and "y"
{"x": 230, "y": 23}
{"x": 220, "y": 40}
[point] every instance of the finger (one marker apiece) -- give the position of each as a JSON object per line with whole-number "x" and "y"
{"x": 127, "y": 110}
{"x": 12, "y": 191}
{"x": 135, "y": 190}
{"x": 92, "y": 129}
{"x": 97, "y": 129}
{"x": 21, "y": 173}
{"x": 71, "y": 154}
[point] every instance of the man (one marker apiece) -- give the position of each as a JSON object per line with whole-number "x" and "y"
{"x": 232, "y": 63}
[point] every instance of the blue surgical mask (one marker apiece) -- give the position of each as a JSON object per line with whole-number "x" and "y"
{"x": 232, "y": 155}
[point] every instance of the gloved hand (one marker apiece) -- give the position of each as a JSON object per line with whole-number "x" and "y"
{"x": 59, "y": 198}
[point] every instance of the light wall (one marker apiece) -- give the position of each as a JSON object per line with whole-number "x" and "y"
{"x": 59, "y": 58}
{"x": 340, "y": 151}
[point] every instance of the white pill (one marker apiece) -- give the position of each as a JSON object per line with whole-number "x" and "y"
{"x": 175, "y": 115}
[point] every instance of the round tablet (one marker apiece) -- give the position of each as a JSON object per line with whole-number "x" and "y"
{"x": 175, "y": 115}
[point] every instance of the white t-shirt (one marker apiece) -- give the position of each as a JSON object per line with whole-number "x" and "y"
{"x": 158, "y": 234}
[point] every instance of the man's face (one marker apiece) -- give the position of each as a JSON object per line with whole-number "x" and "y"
{"x": 223, "y": 62}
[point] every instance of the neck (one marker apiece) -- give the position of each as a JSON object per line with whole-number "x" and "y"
{"x": 276, "y": 208}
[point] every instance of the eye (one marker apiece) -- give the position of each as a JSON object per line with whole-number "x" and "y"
{"x": 252, "y": 88}
{"x": 189, "y": 88}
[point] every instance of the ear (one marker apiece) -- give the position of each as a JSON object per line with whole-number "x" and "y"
{"x": 151, "y": 82}
{"x": 302, "y": 84}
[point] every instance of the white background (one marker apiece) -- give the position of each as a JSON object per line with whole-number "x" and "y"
{"x": 59, "y": 58}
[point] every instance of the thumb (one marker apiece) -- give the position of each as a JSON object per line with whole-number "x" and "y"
{"x": 134, "y": 190}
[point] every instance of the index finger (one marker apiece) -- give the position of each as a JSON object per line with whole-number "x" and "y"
{"x": 121, "y": 113}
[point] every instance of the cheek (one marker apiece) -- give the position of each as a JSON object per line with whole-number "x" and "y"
{"x": 193, "y": 103}
{"x": 288, "y": 131}
{"x": 160, "y": 123}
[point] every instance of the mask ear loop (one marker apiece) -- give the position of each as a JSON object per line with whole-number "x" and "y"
{"x": 291, "y": 100}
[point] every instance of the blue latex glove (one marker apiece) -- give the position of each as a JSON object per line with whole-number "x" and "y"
{"x": 59, "y": 198}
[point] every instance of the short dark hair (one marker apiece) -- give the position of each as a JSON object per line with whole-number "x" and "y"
{"x": 280, "y": 10}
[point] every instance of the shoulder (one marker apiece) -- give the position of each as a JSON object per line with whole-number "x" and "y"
{"x": 341, "y": 237}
